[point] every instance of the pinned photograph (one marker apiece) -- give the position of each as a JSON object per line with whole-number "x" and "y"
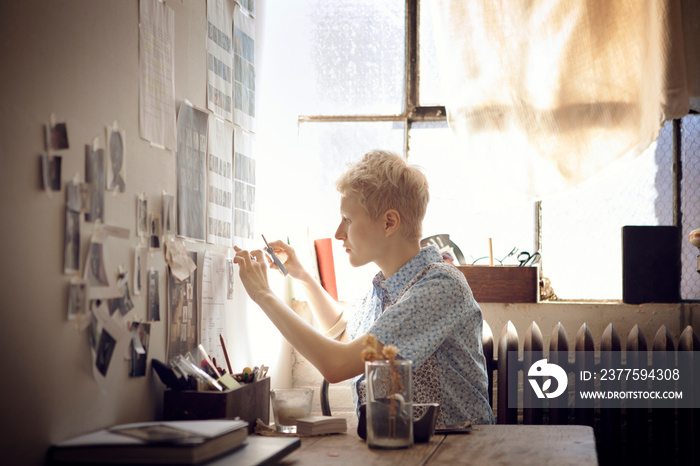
{"x": 56, "y": 136}
{"x": 94, "y": 174}
{"x": 169, "y": 219}
{"x": 141, "y": 215}
{"x": 105, "y": 349}
{"x": 77, "y": 300}
{"x": 71, "y": 244}
{"x": 95, "y": 273}
{"x": 123, "y": 302}
{"x": 153, "y": 313}
{"x": 154, "y": 230}
{"x": 139, "y": 268}
{"x": 140, "y": 336}
{"x": 50, "y": 172}
{"x": 116, "y": 169}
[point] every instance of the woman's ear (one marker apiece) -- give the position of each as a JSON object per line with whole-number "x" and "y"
{"x": 392, "y": 221}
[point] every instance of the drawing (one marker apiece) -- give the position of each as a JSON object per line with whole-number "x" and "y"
{"x": 94, "y": 174}
{"x": 117, "y": 167}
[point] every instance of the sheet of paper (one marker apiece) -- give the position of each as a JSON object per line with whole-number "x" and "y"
{"x": 182, "y": 313}
{"x": 220, "y": 192}
{"x": 244, "y": 187}
{"x": 244, "y": 69}
{"x": 214, "y": 291}
{"x": 157, "y": 73}
{"x": 191, "y": 172}
{"x": 220, "y": 58}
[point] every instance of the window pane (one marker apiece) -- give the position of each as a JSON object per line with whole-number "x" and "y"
{"x": 356, "y": 50}
{"x": 457, "y": 205}
{"x": 582, "y": 229}
{"x": 430, "y": 86}
{"x": 690, "y": 195}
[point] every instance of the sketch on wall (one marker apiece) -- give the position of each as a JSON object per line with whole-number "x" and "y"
{"x": 244, "y": 69}
{"x": 244, "y": 187}
{"x": 219, "y": 59}
{"x": 94, "y": 175}
{"x": 219, "y": 189}
{"x": 157, "y": 73}
{"x": 191, "y": 171}
{"x": 116, "y": 168}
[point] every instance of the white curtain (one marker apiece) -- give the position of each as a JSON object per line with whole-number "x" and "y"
{"x": 552, "y": 92}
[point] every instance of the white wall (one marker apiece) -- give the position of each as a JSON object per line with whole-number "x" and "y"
{"x": 80, "y": 60}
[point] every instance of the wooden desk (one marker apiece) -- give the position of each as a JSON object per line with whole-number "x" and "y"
{"x": 491, "y": 444}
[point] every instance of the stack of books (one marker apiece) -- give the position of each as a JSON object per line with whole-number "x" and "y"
{"x": 321, "y": 425}
{"x": 170, "y": 442}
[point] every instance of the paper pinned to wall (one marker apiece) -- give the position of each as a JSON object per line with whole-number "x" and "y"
{"x": 220, "y": 186}
{"x": 109, "y": 342}
{"x": 219, "y": 59}
{"x": 243, "y": 187}
{"x": 191, "y": 171}
{"x": 157, "y": 73}
{"x": 214, "y": 293}
{"x": 244, "y": 69}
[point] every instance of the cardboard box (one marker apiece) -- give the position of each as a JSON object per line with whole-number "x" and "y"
{"x": 502, "y": 284}
{"x": 249, "y": 402}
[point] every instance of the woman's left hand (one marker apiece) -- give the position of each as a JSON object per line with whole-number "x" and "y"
{"x": 252, "y": 270}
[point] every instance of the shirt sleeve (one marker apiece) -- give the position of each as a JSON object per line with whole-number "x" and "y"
{"x": 423, "y": 317}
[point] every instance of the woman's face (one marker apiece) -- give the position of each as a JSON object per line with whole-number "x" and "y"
{"x": 362, "y": 237}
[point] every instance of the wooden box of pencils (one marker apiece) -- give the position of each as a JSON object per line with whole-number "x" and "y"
{"x": 250, "y": 401}
{"x": 502, "y": 284}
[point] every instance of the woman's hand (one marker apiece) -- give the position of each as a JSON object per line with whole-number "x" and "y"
{"x": 252, "y": 270}
{"x": 286, "y": 254}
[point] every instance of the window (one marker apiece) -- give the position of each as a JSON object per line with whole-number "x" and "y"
{"x": 343, "y": 77}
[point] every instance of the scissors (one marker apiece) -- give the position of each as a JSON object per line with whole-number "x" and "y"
{"x": 274, "y": 258}
{"x": 526, "y": 259}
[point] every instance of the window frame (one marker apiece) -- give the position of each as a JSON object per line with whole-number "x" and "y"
{"x": 414, "y": 112}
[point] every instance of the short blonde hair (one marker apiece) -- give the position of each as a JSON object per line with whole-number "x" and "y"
{"x": 383, "y": 180}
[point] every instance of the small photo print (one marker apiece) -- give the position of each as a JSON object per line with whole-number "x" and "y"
{"x": 50, "y": 172}
{"x": 140, "y": 336}
{"x": 95, "y": 273}
{"x": 105, "y": 349}
{"x": 71, "y": 247}
{"x": 153, "y": 296}
{"x": 77, "y": 300}
{"x": 57, "y": 136}
{"x": 141, "y": 215}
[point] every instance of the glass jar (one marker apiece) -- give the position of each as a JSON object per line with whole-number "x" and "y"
{"x": 389, "y": 404}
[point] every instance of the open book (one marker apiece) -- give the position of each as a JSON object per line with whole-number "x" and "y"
{"x": 166, "y": 442}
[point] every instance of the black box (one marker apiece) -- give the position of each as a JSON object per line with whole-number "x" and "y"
{"x": 651, "y": 264}
{"x": 249, "y": 402}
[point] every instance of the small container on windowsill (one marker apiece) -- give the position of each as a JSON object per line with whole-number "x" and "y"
{"x": 502, "y": 283}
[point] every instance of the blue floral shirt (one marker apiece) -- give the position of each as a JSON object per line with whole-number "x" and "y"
{"x": 426, "y": 309}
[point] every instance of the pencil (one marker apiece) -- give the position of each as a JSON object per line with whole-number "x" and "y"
{"x": 223, "y": 346}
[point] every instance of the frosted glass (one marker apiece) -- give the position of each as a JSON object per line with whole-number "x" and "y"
{"x": 430, "y": 85}
{"x": 356, "y": 49}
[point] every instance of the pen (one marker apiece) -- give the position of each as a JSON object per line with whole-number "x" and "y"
{"x": 274, "y": 258}
{"x": 223, "y": 347}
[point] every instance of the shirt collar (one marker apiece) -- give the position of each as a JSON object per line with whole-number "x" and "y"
{"x": 397, "y": 282}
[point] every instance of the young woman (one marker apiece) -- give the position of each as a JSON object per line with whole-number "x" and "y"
{"x": 418, "y": 303}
